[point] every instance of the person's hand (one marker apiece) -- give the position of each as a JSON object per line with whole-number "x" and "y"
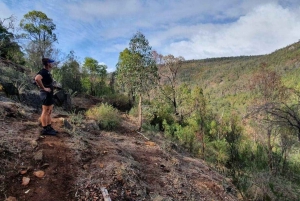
{"x": 47, "y": 89}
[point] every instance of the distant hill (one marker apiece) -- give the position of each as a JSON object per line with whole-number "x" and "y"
{"x": 225, "y": 80}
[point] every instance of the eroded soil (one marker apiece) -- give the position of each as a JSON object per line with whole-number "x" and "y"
{"x": 82, "y": 159}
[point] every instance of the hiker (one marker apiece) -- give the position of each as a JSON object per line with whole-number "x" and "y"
{"x": 44, "y": 80}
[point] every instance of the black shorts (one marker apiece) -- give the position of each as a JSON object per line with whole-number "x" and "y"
{"x": 46, "y": 98}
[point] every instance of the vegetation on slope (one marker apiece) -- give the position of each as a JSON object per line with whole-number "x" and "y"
{"x": 240, "y": 114}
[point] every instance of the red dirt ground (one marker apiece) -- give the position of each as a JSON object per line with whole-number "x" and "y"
{"x": 81, "y": 160}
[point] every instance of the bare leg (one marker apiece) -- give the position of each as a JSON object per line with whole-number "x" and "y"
{"x": 49, "y": 119}
{"x": 46, "y": 121}
{"x": 46, "y": 115}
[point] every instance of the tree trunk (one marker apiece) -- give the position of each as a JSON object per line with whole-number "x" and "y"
{"x": 175, "y": 106}
{"x": 140, "y": 113}
{"x": 284, "y": 161}
{"x": 270, "y": 158}
{"x": 203, "y": 148}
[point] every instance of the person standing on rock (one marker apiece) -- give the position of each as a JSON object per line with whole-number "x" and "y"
{"x": 45, "y": 82}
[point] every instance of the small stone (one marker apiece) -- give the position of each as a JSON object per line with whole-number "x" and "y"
{"x": 91, "y": 125}
{"x": 67, "y": 125}
{"x": 23, "y": 171}
{"x": 39, "y": 174}
{"x": 33, "y": 143}
{"x": 45, "y": 165}
{"x": 25, "y": 181}
{"x": 158, "y": 198}
{"x": 10, "y": 198}
{"x": 38, "y": 156}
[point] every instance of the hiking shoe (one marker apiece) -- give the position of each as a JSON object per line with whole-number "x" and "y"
{"x": 48, "y": 132}
{"x": 52, "y": 129}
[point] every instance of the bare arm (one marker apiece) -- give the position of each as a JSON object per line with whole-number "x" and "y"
{"x": 38, "y": 79}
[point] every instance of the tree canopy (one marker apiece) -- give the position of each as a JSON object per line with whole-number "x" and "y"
{"x": 9, "y": 48}
{"x": 136, "y": 69}
{"x": 39, "y": 29}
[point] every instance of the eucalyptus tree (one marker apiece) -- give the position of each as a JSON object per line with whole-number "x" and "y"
{"x": 9, "y": 48}
{"x": 38, "y": 29}
{"x": 125, "y": 84}
{"x": 137, "y": 70}
{"x": 95, "y": 75}
{"x": 69, "y": 75}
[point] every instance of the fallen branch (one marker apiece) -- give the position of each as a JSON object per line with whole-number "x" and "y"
{"x": 143, "y": 135}
{"x": 105, "y": 194}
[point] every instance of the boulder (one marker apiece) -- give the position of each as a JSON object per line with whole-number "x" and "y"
{"x": 10, "y": 89}
{"x": 63, "y": 99}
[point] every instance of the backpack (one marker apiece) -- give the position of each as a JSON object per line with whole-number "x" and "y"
{"x": 34, "y": 82}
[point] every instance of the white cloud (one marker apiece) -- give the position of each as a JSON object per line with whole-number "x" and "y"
{"x": 264, "y": 29}
{"x": 116, "y": 48}
{"x": 90, "y": 10}
{"x": 193, "y": 29}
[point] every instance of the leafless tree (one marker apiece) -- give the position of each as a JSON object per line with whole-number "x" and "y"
{"x": 168, "y": 72}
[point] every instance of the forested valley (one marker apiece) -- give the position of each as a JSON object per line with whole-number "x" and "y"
{"x": 239, "y": 115}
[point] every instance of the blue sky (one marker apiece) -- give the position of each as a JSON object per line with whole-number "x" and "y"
{"x": 194, "y": 29}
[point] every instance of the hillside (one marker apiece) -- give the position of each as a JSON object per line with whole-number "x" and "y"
{"x": 225, "y": 81}
{"x": 82, "y": 159}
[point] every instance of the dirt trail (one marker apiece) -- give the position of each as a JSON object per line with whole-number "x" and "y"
{"x": 79, "y": 161}
{"x": 49, "y": 154}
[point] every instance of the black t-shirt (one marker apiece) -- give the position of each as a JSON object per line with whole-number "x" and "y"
{"x": 47, "y": 78}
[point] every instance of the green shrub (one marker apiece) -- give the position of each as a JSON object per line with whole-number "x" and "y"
{"x": 76, "y": 119}
{"x": 216, "y": 152}
{"x": 170, "y": 129}
{"x": 150, "y": 129}
{"x": 185, "y": 135}
{"x": 163, "y": 110}
{"x": 106, "y": 116}
{"x": 134, "y": 111}
{"x": 119, "y": 101}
